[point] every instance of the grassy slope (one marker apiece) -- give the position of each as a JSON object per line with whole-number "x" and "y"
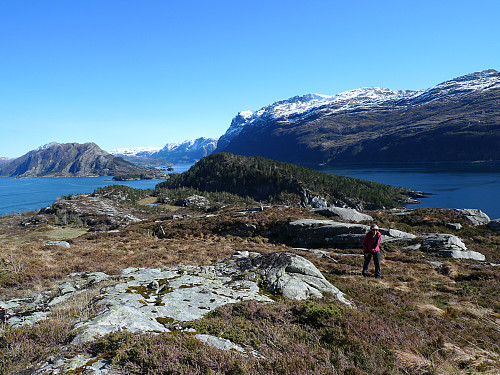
{"x": 419, "y": 319}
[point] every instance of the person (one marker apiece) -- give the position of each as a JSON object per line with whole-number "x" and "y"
{"x": 371, "y": 248}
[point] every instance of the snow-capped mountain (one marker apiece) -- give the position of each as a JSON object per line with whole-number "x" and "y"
{"x": 187, "y": 151}
{"x": 184, "y": 152}
{"x": 136, "y": 151}
{"x": 329, "y": 125}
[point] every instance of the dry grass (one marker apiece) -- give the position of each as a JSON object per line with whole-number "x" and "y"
{"x": 419, "y": 319}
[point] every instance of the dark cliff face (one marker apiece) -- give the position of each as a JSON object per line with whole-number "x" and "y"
{"x": 68, "y": 160}
{"x": 450, "y": 122}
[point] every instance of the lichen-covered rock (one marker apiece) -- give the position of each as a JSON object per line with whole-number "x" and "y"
{"x": 475, "y": 216}
{"x": 449, "y": 246}
{"x": 90, "y": 210}
{"x": 64, "y": 244}
{"x": 195, "y": 201}
{"x": 156, "y": 300}
{"x": 348, "y": 214}
{"x": 160, "y": 300}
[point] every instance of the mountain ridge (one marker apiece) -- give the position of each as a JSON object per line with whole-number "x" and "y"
{"x": 374, "y": 124}
{"x": 188, "y": 151}
{"x": 72, "y": 160}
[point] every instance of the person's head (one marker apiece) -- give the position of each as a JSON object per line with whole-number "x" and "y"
{"x": 374, "y": 228}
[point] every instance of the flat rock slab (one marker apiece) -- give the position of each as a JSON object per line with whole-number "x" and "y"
{"x": 349, "y": 214}
{"x": 155, "y": 300}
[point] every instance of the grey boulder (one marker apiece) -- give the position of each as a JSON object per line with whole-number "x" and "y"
{"x": 348, "y": 214}
{"x": 475, "y": 216}
{"x": 449, "y": 246}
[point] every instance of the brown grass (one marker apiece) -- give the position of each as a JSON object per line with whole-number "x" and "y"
{"x": 419, "y": 319}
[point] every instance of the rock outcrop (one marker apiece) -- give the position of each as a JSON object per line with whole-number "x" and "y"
{"x": 325, "y": 233}
{"x": 348, "y": 214}
{"x": 450, "y": 246}
{"x": 195, "y": 201}
{"x": 162, "y": 300}
{"x": 474, "y": 216}
{"x": 86, "y": 209}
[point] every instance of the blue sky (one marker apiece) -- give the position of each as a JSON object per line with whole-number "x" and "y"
{"x": 144, "y": 73}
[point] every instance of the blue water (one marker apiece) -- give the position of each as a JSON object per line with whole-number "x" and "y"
{"x": 453, "y": 185}
{"x": 28, "y": 194}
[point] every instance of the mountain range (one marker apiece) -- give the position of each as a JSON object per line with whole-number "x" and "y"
{"x": 454, "y": 121}
{"x": 457, "y": 120}
{"x": 73, "y": 160}
{"x": 186, "y": 152}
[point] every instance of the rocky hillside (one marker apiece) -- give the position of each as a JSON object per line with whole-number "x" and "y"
{"x": 271, "y": 181}
{"x": 184, "y": 292}
{"x": 73, "y": 160}
{"x": 4, "y": 161}
{"x": 457, "y": 120}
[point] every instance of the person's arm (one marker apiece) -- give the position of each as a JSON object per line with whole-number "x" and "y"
{"x": 376, "y": 241}
{"x": 365, "y": 244}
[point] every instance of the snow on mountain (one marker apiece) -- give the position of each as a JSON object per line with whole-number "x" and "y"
{"x": 478, "y": 81}
{"x": 46, "y": 146}
{"x": 190, "y": 150}
{"x": 190, "y": 145}
{"x": 187, "y": 151}
{"x": 136, "y": 151}
{"x": 365, "y": 98}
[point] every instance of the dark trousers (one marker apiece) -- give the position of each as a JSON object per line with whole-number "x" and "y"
{"x": 376, "y": 260}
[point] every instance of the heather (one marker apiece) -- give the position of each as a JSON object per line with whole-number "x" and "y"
{"x": 423, "y": 317}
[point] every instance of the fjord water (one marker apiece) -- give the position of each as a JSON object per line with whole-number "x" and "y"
{"x": 27, "y": 194}
{"x": 452, "y": 185}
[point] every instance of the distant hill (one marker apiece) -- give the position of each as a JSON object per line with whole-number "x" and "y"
{"x": 73, "y": 160}
{"x": 272, "y": 181}
{"x": 172, "y": 153}
{"x": 457, "y": 120}
{"x": 4, "y": 160}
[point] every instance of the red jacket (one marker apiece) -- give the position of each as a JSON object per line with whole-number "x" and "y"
{"x": 371, "y": 243}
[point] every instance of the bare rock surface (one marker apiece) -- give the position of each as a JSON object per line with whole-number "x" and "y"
{"x": 449, "y": 246}
{"x": 162, "y": 300}
{"x": 348, "y": 214}
{"x": 91, "y": 210}
{"x": 27, "y": 311}
{"x": 317, "y": 233}
{"x": 159, "y": 300}
{"x": 475, "y": 216}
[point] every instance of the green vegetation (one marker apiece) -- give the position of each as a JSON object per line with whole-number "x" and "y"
{"x": 122, "y": 193}
{"x": 277, "y": 182}
{"x": 216, "y": 199}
